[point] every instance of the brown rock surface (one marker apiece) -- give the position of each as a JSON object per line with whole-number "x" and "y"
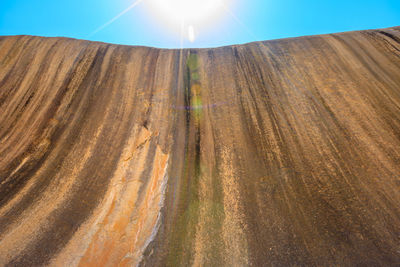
{"x": 276, "y": 153}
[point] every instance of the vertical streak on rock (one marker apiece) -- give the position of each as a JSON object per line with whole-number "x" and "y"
{"x": 187, "y": 201}
{"x": 157, "y": 251}
{"x": 234, "y": 227}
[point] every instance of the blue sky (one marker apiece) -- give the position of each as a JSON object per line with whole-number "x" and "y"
{"x": 246, "y": 21}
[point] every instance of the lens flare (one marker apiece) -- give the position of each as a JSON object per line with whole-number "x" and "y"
{"x": 191, "y": 34}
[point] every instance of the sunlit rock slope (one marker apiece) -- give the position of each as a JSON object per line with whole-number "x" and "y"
{"x": 276, "y": 153}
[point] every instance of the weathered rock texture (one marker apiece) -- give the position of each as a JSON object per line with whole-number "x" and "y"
{"x": 283, "y": 153}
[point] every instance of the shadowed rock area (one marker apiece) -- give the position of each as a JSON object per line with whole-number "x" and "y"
{"x": 276, "y": 153}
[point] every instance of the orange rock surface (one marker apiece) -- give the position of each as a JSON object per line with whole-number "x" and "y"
{"x": 275, "y": 153}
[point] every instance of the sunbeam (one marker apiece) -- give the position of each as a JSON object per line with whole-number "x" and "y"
{"x": 233, "y": 15}
{"x": 114, "y": 18}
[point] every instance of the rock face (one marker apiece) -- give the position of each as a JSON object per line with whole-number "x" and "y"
{"x": 283, "y": 153}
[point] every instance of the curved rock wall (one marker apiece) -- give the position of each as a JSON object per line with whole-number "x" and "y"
{"x": 282, "y": 152}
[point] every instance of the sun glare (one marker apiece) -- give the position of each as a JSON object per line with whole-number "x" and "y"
{"x": 191, "y": 16}
{"x": 187, "y": 9}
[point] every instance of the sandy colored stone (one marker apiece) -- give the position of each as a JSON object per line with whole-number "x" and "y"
{"x": 275, "y": 153}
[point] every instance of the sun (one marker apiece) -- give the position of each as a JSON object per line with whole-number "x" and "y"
{"x": 191, "y": 15}
{"x": 187, "y": 9}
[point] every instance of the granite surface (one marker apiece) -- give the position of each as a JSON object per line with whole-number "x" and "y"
{"x": 275, "y": 153}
